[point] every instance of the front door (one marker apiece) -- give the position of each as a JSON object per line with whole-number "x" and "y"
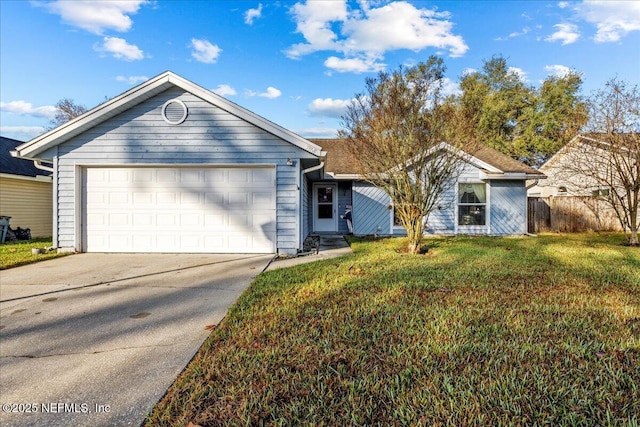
{"x": 325, "y": 201}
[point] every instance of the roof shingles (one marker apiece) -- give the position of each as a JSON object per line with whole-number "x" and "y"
{"x": 340, "y": 162}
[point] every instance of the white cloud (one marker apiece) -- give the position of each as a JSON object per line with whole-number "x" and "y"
{"x": 522, "y": 75}
{"x": 251, "y": 14}
{"x": 400, "y": 25}
{"x": 318, "y": 132}
{"x": 204, "y": 51}
{"x": 566, "y": 33}
{"x": 23, "y": 108}
{"x": 557, "y": 70}
{"x": 328, "y": 107}
{"x": 515, "y": 34}
{"x": 563, "y": 4}
{"x": 353, "y": 65}
{"x": 96, "y": 16}
{"x": 270, "y": 93}
{"x": 468, "y": 71}
{"x": 119, "y": 49}
{"x": 613, "y": 19}
{"x": 132, "y": 80}
{"x": 313, "y": 21}
{"x": 363, "y": 36}
{"x": 21, "y": 133}
{"x": 449, "y": 87}
{"x": 225, "y": 90}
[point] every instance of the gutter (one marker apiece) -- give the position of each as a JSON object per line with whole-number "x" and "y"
{"x": 313, "y": 168}
{"x": 535, "y": 182}
{"x": 36, "y": 162}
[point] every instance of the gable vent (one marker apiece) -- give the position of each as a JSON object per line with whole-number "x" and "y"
{"x": 174, "y": 112}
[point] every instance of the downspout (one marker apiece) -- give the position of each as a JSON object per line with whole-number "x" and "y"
{"x": 535, "y": 182}
{"x": 38, "y": 164}
{"x": 313, "y": 168}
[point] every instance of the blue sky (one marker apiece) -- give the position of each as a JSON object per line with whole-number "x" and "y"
{"x": 295, "y": 63}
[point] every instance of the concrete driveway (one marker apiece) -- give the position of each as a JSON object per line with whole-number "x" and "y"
{"x": 96, "y": 339}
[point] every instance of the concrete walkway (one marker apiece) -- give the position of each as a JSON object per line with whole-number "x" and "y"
{"x": 97, "y": 339}
{"x": 331, "y": 246}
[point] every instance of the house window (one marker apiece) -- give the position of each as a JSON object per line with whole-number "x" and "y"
{"x": 472, "y": 204}
{"x": 601, "y": 192}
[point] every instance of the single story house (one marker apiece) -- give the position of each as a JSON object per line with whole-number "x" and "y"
{"x": 169, "y": 166}
{"x": 26, "y": 192}
{"x": 490, "y": 197}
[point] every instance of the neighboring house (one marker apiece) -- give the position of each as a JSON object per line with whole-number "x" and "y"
{"x": 26, "y": 192}
{"x": 569, "y": 200}
{"x": 562, "y": 179}
{"x": 169, "y": 166}
{"x": 490, "y": 197}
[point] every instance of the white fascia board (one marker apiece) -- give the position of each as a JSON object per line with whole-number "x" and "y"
{"x": 513, "y": 176}
{"x": 347, "y": 176}
{"x": 246, "y": 115}
{"x": 561, "y": 152}
{"x": 482, "y": 165}
{"x": 37, "y": 178}
{"x": 143, "y": 92}
{"x": 95, "y": 116}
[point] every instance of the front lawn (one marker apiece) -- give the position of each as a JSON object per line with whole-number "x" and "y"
{"x": 480, "y": 331}
{"x": 14, "y": 254}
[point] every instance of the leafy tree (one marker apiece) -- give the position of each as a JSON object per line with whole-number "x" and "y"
{"x": 395, "y": 132}
{"x": 524, "y": 122}
{"x": 66, "y": 110}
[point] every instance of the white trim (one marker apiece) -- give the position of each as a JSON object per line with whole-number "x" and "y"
{"x": 473, "y": 229}
{"x": 38, "y": 178}
{"x": 54, "y": 230}
{"x": 334, "y": 204}
{"x": 140, "y": 94}
{"x": 80, "y": 178}
{"x": 185, "y": 111}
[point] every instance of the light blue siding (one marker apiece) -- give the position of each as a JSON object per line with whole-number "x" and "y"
{"x": 209, "y": 136}
{"x": 442, "y": 219}
{"x": 508, "y": 207}
{"x": 371, "y": 212}
{"x": 344, "y": 199}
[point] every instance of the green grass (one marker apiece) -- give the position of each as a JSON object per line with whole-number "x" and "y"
{"x": 480, "y": 331}
{"x": 14, "y": 254}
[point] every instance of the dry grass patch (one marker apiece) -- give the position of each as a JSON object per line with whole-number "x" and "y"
{"x": 14, "y": 254}
{"x": 482, "y": 331}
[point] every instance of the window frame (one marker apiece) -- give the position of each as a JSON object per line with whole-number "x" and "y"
{"x": 485, "y": 204}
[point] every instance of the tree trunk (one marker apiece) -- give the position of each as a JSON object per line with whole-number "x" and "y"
{"x": 633, "y": 216}
{"x": 414, "y": 233}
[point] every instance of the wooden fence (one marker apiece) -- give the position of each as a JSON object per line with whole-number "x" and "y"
{"x": 570, "y": 214}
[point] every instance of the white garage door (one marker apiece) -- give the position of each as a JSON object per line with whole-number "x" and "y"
{"x": 190, "y": 210}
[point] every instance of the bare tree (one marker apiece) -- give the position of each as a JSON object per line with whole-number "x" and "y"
{"x": 396, "y": 132}
{"x": 66, "y": 109}
{"x": 606, "y": 165}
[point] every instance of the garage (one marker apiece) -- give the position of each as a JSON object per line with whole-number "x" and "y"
{"x": 172, "y": 167}
{"x": 179, "y": 209}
